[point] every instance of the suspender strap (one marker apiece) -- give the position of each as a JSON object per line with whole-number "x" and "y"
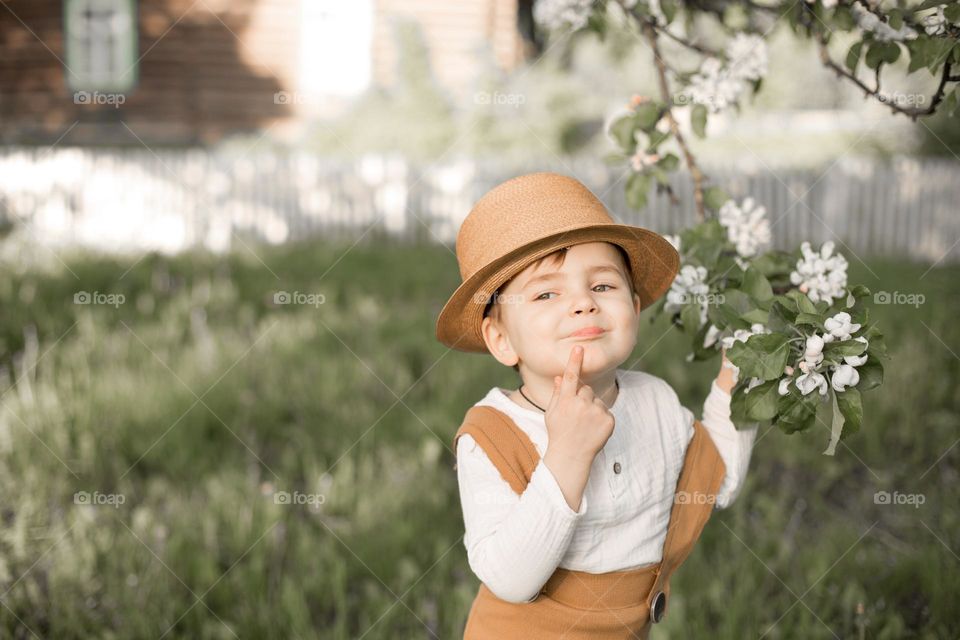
{"x": 700, "y": 479}
{"x": 508, "y": 447}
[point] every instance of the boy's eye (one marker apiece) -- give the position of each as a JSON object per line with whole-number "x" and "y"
{"x": 546, "y": 293}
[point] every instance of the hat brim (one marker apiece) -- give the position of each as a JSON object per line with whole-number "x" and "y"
{"x": 654, "y": 264}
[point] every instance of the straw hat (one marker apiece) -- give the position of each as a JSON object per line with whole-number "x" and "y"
{"x": 525, "y": 218}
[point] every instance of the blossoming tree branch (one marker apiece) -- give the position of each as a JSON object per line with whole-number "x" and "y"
{"x": 796, "y": 332}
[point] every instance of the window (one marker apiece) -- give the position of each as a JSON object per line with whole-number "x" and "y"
{"x": 101, "y": 44}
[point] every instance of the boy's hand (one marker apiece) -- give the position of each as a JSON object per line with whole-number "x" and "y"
{"x": 578, "y": 423}
{"x": 726, "y": 379}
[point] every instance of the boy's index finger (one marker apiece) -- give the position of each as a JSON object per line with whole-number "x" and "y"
{"x": 571, "y": 375}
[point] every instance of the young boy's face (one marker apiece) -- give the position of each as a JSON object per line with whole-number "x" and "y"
{"x": 544, "y": 305}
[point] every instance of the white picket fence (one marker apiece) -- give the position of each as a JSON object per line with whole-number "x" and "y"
{"x": 168, "y": 200}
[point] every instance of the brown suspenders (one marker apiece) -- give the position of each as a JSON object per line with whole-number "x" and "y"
{"x": 515, "y": 457}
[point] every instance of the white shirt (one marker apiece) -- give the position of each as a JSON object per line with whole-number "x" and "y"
{"x": 514, "y": 543}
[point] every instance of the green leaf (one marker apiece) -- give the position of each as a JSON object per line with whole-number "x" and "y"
{"x": 761, "y": 401}
{"x": 952, "y": 13}
{"x": 656, "y": 138}
{"x": 881, "y": 52}
{"x": 738, "y": 405}
{"x": 669, "y": 10}
{"x": 804, "y": 304}
{"x": 757, "y": 287}
{"x": 714, "y": 198}
{"x": 690, "y": 315}
{"x": 698, "y": 120}
{"x": 668, "y": 162}
{"x": 735, "y": 304}
{"x": 622, "y": 131}
{"x": 638, "y": 187}
{"x": 871, "y": 374}
{"x": 853, "y": 56}
{"x": 836, "y": 427}
{"x": 796, "y": 412}
{"x": 851, "y": 407}
{"x": 756, "y": 315}
{"x": 810, "y": 319}
{"x": 843, "y": 348}
{"x": 762, "y": 356}
{"x": 647, "y": 115}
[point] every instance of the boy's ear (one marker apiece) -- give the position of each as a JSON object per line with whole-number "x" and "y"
{"x": 498, "y": 343}
{"x": 636, "y": 303}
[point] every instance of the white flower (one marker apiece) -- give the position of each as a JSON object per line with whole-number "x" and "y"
{"x": 555, "y": 14}
{"x": 844, "y": 376}
{"x": 714, "y": 86}
{"x": 674, "y": 240}
{"x": 822, "y": 276}
{"x": 935, "y": 23}
{"x": 742, "y": 335}
{"x": 856, "y": 361}
{"x": 747, "y": 57}
{"x": 711, "y": 338}
{"x": 827, "y": 4}
{"x": 689, "y": 286}
{"x": 747, "y": 226}
{"x": 869, "y": 21}
{"x": 807, "y": 382}
{"x": 839, "y": 327}
{"x": 641, "y": 160}
{"x": 753, "y": 382}
{"x": 813, "y": 353}
{"x": 784, "y": 386}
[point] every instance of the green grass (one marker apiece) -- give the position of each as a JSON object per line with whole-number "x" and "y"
{"x": 198, "y": 398}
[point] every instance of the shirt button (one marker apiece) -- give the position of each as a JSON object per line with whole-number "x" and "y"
{"x": 616, "y": 467}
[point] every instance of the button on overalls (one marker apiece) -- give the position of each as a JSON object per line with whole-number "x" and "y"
{"x": 578, "y": 605}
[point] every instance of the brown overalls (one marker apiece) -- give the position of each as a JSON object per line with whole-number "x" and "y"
{"x": 578, "y": 605}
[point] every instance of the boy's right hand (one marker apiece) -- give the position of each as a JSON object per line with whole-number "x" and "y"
{"x": 578, "y": 423}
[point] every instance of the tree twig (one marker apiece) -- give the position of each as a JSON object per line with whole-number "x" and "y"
{"x": 911, "y": 112}
{"x": 695, "y": 172}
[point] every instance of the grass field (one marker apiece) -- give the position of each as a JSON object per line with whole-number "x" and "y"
{"x": 184, "y": 410}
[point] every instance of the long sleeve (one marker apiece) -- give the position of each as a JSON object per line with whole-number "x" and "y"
{"x": 735, "y": 446}
{"x": 514, "y": 542}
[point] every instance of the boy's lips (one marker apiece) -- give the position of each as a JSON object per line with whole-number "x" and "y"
{"x": 588, "y": 332}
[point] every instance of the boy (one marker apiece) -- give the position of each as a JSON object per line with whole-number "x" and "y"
{"x": 587, "y": 486}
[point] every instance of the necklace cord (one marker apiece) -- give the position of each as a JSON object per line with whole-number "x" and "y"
{"x": 615, "y": 382}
